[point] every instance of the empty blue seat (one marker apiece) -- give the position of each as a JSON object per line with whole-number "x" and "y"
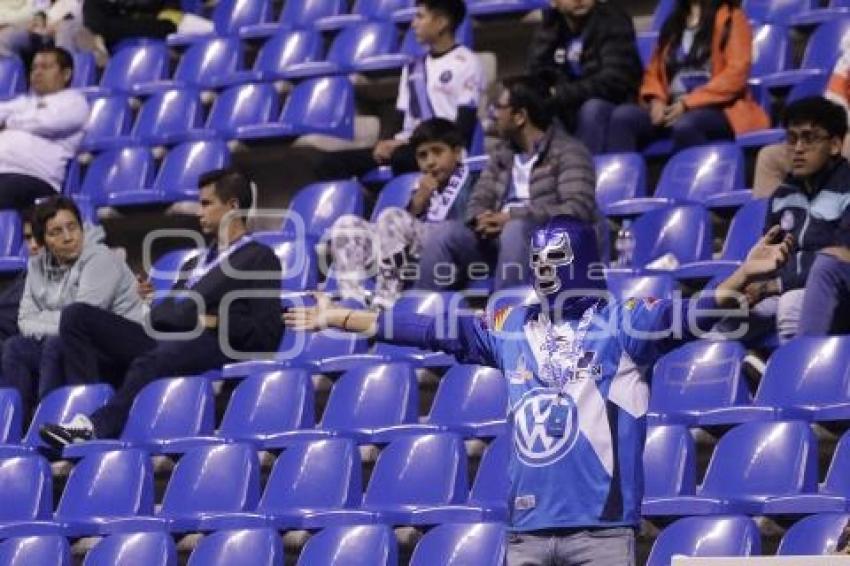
{"x": 26, "y": 489}
{"x": 671, "y": 236}
{"x": 263, "y": 405}
{"x": 285, "y": 49}
{"x": 669, "y": 464}
{"x": 10, "y": 416}
{"x": 696, "y": 174}
{"x": 323, "y": 105}
{"x": 804, "y": 379}
{"x": 296, "y": 14}
{"x": 133, "y": 549}
{"x": 299, "y": 265}
{"x": 495, "y": 7}
{"x": 818, "y": 15}
{"x": 396, "y": 193}
{"x": 491, "y": 489}
{"x": 696, "y": 377}
{"x": 166, "y": 116}
{"x": 109, "y": 123}
{"x": 225, "y": 548}
{"x": 363, "y": 11}
{"x": 745, "y": 230}
{"x": 228, "y": 17}
{"x": 775, "y": 11}
{"x": 619, "y": 176}
{"x": 103, "y": 491}
{"x": 31, "y": 551}
{"x": 706, "y": 536}
{"x": 459, "y": 544}
{"x": 814, "y": 535}
{"x": 358, "y": 545}
{"x": 133, "y": 65}
{"x": 85, "y": 69}
{"x": 117, "y": 171}
{"x": 363, "y": 401}
{"x": 833, "y": 495}
{"x": 317, "y": 206}
{"x": 13, "y": 77}
{"x": 239, "y": 106}
{"x": 624, "y": 285}
{"x": 205, "y": 65}
{"x": 415, "y": 477}
{"x": 165, "y": 409}
{"x": 178, "y": 175}
{"x": 13, "y": 254}
{"x": 751, "y": 464}
{"x": 770, "y": 49}
{"x": 470, "y": 400}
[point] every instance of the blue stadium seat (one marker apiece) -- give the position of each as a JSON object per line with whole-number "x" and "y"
{"x": 694, "y": 175}
{"x": 776, "y": 11}
{"x": 470, "y": 400}
{"x": 358, "y": 545}
{"x": 104, "y": 491}
{"x": 165, "y": 409}
{"x": 323, "y": 105}
{"x": 459, "y": 544}
{"x": 178, "y": 175}
{"x": 396, "y": 193}
{"x": 669, "y": 464}
{"x": 166, "y": 116}
{"x": 662, "y": 9}
{"x": 133, "y": 549}
{"x": 32, "y": 551}
{"x": 26, "y": 489}
{"x": 299, "y": 265}
{"x": 415, "y": 477}
{"x": 752, "y": 463}
{"x": 10, "y": 416}
{"x": 317, "y": 206}
{"x": 804, "y": 379}
{"x": 60, "y": 405}
{"x": 770, "y": 49}
{"x": 488, "y": 498}
{"x": 109, "y": 123}
{"x": 481, "y": 8}
{"x": 624, "y": 285}
{"x": 706, "y": 536}
{"x": 813, "y": 535}
{"x": 263, "y": 405}
{"x": 166, "y": 270}
{"x": 833, "y": 495}
{"x": 13, "y": 78}
{"x": 225, "y": 548}
{"x": 13, "y": 254}
{"x": 206, "y": 64}
{"x": 745, "y": 230}
{"x": 363, "y": 11}
{"x": 236, "y": 107}
{"x": 229, "y": 16}
{"x": 815, "y": 16}
{"x": 133, "y": 65}
{"x": 363, "y": 401}
{"x": 619, "y": 176}
{"x": 680, "y": 233}
{"x": 284, "y": 49}
{"x": 296, "y": 14}
{"x": 117, "y": 171}
{"x": 696, "y": 377}
{"x": 85, "y": 69}
{"x": 313, "y": 484}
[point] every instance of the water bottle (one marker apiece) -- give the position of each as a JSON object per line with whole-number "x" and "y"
{"x": 625, "y": 245}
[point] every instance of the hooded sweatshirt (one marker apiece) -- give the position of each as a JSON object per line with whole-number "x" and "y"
{"x": 99, "y": 278}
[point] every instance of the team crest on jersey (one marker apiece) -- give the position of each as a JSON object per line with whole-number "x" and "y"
{"x": 787, "y": 221}
{"x": 521, "y": 374}
{"x": 534, "y": 447}
{"x": 445, "y": 76}
{"x": 630, "y": 304}
{"x": 499, "y": 318}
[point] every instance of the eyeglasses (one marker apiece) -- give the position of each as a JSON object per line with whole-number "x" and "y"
{"x": 808, "y": 138}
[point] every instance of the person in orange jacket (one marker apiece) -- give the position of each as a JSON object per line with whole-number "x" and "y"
{"x": 695, "y": 88}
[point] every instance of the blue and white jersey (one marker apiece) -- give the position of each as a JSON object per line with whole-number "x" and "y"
{"x": 591, "y": 475}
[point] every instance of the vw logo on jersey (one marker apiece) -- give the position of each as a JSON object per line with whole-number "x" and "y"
{"x": 534, "y": 447}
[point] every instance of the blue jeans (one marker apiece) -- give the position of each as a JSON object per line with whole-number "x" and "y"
{"x": 449, "y": 248}
{"x": 826, "y": 303}
{"x": 592, "y": 124}
{"x": 33, "y": 366}
{"x": 602, "y": 547}
{"x": 630, "y": 128}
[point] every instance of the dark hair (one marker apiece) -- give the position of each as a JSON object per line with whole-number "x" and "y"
{"x": 437, "y": 130}
{"x": 817, "y": 111}
{"x": 229, "y": 183}
{"x": 63, "y": 57}
{"x": 531, "y": 94}
{"x": 454, "y": 10}
{"x": 674, "y": 26}
{"x": 46, "y": 209}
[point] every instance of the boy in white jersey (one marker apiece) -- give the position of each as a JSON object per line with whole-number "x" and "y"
{"x": 446, "y": 82}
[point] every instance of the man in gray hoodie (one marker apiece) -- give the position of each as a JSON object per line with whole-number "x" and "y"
{"x": 74, "y": 266}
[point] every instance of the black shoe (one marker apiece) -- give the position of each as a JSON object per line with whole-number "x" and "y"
{"x": 79, "y": 429}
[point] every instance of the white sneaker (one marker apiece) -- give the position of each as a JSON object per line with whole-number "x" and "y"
{"x": 78, "y": 429}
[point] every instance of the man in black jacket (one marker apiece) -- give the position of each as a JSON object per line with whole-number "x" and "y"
{"x": 587, "y": 50}
{"x": 98, "y": 344}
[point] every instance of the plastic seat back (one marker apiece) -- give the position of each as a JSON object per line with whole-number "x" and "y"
{"x": 138, "y": 63}
{"x": 171, "y": 408}
{"x": 132, "y": 549}
{"x": 669, "y": 465}
{"x": 702, "y": 171}
{"x": 706, "y": 536}
{"x": 26, "y": 488}
{"x": 682, "y": 231}
{"x": 373, "y": 396}
{"x": 225, "y": 548}
{"x": 351, "y": 545}
{"x": 619, "y": 176}
{"x": 460, "y": 544}
{"x": 470, "y": 394}
{"x": 60, "y": 405}
{"x": 322, "y": 105}
{"x": 317, "y": 206}
{"x": 269, "y": 402}
{"x": 45, "y": 550}
{"x": 183, "y": 166}
{"x": 813, "y": 535}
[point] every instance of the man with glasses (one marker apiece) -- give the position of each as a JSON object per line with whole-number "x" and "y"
{"x": 812, "y": 204}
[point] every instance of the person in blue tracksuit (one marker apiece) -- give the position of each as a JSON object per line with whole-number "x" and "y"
{"x": 575, "y": 364}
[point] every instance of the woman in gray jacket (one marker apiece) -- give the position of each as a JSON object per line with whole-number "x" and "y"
{"x": 73, "y": 266}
